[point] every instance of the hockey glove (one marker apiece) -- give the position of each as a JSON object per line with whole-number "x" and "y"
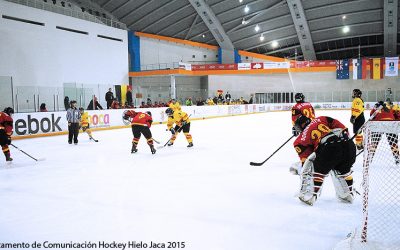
{"x": 184, "y": 123}
{"x": 126, "y": 117}
{"x": 172, "y": 130}
{"x": 8, "y": 140}
{"x": 295, "y": 132}
{"x": 353, "y": 119}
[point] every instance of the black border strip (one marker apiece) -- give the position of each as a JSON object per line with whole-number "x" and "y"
{"x": 72, "y": 30}
{"x": 110, "y": 38}
{"x": 22, "y": 20}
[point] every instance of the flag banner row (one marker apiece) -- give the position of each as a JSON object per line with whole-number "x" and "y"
{"x": 378, "y": 68}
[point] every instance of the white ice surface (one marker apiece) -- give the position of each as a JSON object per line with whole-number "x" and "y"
{"x": 208, "y": 196}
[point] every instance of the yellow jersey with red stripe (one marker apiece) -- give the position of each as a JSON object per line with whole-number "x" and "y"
{"x": 357, "y": 107}
{"x": 177, "y": 118}
{"x": 85, "y": 119}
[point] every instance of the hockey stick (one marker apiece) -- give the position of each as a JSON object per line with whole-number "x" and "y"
{"x": 261, "y": 163}
{"x": 36, "y": 159}
{"x": 177, "y": 131}
{"x": 359, "y": 152}
{"x": 156, "y": 141}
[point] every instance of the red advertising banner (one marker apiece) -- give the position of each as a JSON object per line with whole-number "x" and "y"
{"x": 259, "y": 65}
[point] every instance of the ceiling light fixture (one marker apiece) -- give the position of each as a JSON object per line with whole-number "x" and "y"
{"x": 257, "y": 28}
{"x": 262, "y": 37}
{"x": 203, "y": 36}
{"x": 346, "y": 29}
{"x": 274, "y": 44}
{"x": 343, "y": 17}
{"x": 246, "y": 9}
{"x": 240, "y": 1}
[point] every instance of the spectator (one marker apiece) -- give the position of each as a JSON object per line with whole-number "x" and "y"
{"x": 115, "y": 104}
{"x": 128, "y": 105}
{"x": 129, "y": 99}
{"x": 43, "y": 107}
{"x": 228, "y": 96}
{"x": 148, "y": 102}
{"x": 96, "y": 105}
{"x": 220, "y": 98}
{"x": 66, "y": 102}
{"x": 199, "y": 102}
{"x": 109, "y": 98}
{"x": 143, "y": 105}
{"x": 215, "y": 100}
{"x": 251, "y": 99}
{"x": 189, "y": 101}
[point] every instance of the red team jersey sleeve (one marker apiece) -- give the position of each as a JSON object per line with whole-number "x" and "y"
{"x": 308, "y": 141}
{"x": 6, "y": 123}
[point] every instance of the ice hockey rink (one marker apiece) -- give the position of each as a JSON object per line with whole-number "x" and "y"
{"x": 207, "y": 196}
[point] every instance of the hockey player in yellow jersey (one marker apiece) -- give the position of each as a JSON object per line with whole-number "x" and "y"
{"x": 84, "y": 124}
{"x": 174, "y": 105}
{"x": 357, "y": 116}
{"x": 182, "y": 123}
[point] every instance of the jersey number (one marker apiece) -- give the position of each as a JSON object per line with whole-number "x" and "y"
{"x": 317, "y": 133}
{"x": 308, "y": 113}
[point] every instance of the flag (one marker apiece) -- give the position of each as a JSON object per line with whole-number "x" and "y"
{"x": 376, "y": 68}
{"x": 342, "y": 69}
{"x": 123, "y": 94}
{"x": 391, "y": 66}
{"x": 359, "y": 69}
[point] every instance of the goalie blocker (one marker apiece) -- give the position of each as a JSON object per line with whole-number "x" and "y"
{"x": 324, "y": 146}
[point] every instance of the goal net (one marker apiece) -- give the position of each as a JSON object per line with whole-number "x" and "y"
{"x": 380, "y": 224}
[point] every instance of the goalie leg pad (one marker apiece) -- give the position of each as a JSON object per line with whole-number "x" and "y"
{"x": 343, "y": 184}
{"x": 311, "y": 182}
{"x": 295, "y": 168}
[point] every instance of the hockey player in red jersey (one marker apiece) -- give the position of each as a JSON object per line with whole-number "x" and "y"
{"x": 141, "y": 123}
{"x": 301, "y": 108}
{"x": 386, "y": 113}
{"x": 6, "y": 130}
{"x": 323, "y": 146}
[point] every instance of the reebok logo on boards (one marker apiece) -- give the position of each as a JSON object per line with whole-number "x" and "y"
{"x": 33, "y": 125}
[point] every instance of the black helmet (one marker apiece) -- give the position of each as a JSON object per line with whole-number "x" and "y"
{"x": 356, "y": 93}
{"x": 301, "y": 123}
{"x": 169, "y": 111}
{"x": 148, "y": 112}
{"x": 299, "y": 97}
{"x": 9, "y": 111}
{"x": 81, "y": 109}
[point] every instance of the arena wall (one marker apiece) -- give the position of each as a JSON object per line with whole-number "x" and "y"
{"x": 48, "y": 56}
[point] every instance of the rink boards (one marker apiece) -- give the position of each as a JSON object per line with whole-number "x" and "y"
{"x": 35, "y": 124}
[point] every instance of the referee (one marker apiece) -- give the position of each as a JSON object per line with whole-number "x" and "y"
{"x": 73, "y": 118}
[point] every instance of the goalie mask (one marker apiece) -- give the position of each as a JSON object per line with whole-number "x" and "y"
{"x": 356, "y": 93}
{"x": 299, "y": 97}
{"x": 301, "y": 123}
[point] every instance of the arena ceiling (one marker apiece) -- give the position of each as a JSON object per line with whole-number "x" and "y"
{"x": 337, "y": 28}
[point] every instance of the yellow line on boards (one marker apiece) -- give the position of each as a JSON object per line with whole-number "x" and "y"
{"x": 20, "y": 137}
